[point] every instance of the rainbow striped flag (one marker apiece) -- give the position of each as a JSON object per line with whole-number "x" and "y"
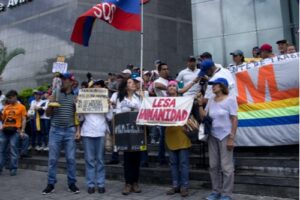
{"x": 268, "y": 97}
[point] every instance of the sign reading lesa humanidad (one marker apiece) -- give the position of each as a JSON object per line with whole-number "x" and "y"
{"x": 165, "y": 111}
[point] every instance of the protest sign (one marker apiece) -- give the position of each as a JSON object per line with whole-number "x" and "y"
{"x": 92, "y": 100}
{"x": 165, "y": 111}
{"x": 268, "y": 98}
{"x": 128, "y": 136}
{"x": 60, "y": 67}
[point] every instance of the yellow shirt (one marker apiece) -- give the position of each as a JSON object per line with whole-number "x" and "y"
{"x": 176, "y": 138}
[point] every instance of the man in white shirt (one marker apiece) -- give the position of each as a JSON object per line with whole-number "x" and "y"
{"x": 160, "y": 84}
{"x": 188, "y": 75}
{"x": 208, "y": 68}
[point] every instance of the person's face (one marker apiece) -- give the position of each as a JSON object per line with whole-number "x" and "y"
{"x": 37, "y": 96}
{"x": 191, "y": 64}
{"x": 210, "y": 72}
{"x": 12, "y": 100}
{"x": 216, "y": 88}
{"x": 282, "y": 47}
{"x": 264, "y": 54}
{"x": 67, "y": 83}
{"x": 255, "y": 53}
{"x": 291, "y": 49}
{"x": 146, "y": 77}
{"x": 172, "y": 90}
{"x": 137, "y": 85}
{"x": 46, "y": 95}
{"x": 131, "y": 86}
{"x": 237, "y": 59}
{"x": 164, "y": 72}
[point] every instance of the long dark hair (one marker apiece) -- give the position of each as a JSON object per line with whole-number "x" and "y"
{"x": 122, "y": 90}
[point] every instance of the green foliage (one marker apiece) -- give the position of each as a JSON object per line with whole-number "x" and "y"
{"x": 26, "y": 93}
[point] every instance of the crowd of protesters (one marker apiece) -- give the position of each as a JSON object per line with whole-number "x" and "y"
{"x": 53, "y": 128}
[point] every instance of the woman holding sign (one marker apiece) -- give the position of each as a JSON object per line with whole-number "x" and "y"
{"x": 128, "y": 100}
{"x": 222, "y": 108}
{"x": 178, "y": 143}
{"x": 92, "y": 133}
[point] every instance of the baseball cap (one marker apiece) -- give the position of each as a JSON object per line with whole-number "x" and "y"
{"x": 147, "y": 72}
{"x": 281, "y": 42}
{"x": 37, "y": 92}
{"x": 138, "y": 79}
{"x": 68, "y": 75}
{"x": 266, "y": 47}
{"x": 191, "y": 59}
{"x": 222, "y": 81}
{"x": 126, "y": 71}
{"x": 205, "y": 65}
{"x": 206, "y": 55}
{"x": 157, "y": 62}
{"x": 237, "y": 53}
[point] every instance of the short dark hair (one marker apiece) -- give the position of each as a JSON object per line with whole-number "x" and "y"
{"x": 224, "y": 89}
{"x": 160, "y": 66}
{"x": 11, "y": 93}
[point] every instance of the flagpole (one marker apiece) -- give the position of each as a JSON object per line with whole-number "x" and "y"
{"x": 142, "y": 43}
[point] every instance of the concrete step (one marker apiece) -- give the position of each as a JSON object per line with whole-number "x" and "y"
{"x": 246, "y": 181}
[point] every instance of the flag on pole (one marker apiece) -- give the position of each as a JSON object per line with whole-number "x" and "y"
{"x": 121, "y": 14}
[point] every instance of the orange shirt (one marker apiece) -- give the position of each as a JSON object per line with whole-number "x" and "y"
{"x": 13, "y": 115}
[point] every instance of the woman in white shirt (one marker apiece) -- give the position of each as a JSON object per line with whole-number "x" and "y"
{"x": 92, "y": 133}
{"x": 128, "y": 100}
{"x": 223, "y": 110}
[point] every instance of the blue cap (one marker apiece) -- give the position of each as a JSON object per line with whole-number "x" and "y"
{"x": 68, "y": 75}
{"x": 222, "y": 81}
{"x": 205, "y": 65}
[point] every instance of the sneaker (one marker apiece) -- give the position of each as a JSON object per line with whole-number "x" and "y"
{"x": 101, "y": 190}
{"x": 213, "y": 196}
{"x": 46, "y": 148}
{"x": 49, "y": 189}
{"x": 184, "y": 192}
{"x": 135, "y": 188}
{"x": 37, "y": 148}
{"x": 127, "y": 189}
{"x": 225, "y": 198}
{"x": 91, "y": 190}
{"x": 13, "y": 172}
{"x": 73, "y": 188}
{"x": 173, "y": 191}
{"x": 29, "y": 148}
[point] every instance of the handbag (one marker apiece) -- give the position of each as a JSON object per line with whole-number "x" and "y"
{"x": 191, "y": 128}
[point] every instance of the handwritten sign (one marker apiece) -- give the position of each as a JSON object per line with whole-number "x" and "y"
{"x": 60, "y": 67}
{"x": 165, "y": 111}
{"x": 128, "y": 136}
{"x": 92, "y": 100}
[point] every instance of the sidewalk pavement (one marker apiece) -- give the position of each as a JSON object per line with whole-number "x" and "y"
{"x": 28, "y": 185}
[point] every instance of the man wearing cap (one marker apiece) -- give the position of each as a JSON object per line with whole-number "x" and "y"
{"x": 208, "y": 56}
{"x": 62, "y": 134}
{"x": 188, "y": 76}
{"x": 282, "y": 46}
{"x": 266, "y": 51}
{"x": 238, "y": 59}
{"x": 210, "y": 70}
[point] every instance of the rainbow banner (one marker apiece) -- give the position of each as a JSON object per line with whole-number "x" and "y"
{"x": 268, "y": 97}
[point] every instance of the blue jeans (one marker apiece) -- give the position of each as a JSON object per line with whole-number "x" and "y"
{"x": 45, "y": 126}
{"x": 36, "y": 137}
{"x": 179, "y": 161}
{"x": 59, "y": 137}
{"x": 162, "y": 150}
{"x": 24, "y": 143}
{"x": 13, "y": 141}
{"x": 94, "y": 161}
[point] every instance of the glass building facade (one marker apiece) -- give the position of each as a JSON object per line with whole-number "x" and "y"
{"x": 39, "y": 30}
{"x": 222, "y": 26}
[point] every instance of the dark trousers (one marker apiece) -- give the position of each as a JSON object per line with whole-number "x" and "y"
{"x": 131, "y": 167}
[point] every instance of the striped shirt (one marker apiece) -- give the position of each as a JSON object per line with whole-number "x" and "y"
{"x": 64, "y": 116}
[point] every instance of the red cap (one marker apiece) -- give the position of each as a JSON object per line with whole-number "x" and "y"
{"x": 266, "y": 47}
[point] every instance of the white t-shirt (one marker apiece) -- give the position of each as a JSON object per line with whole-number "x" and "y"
{"x": 158, "y": 92}
{"x": 220, "y": 112}
{"x": 187, "y": 76}
{"x": 95, "y": 125}
{"x": 221, "y": 73}
{"x": 33, "y": 104}
{"x": 127, "y": 105}
{"x": 44, "y": 106}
